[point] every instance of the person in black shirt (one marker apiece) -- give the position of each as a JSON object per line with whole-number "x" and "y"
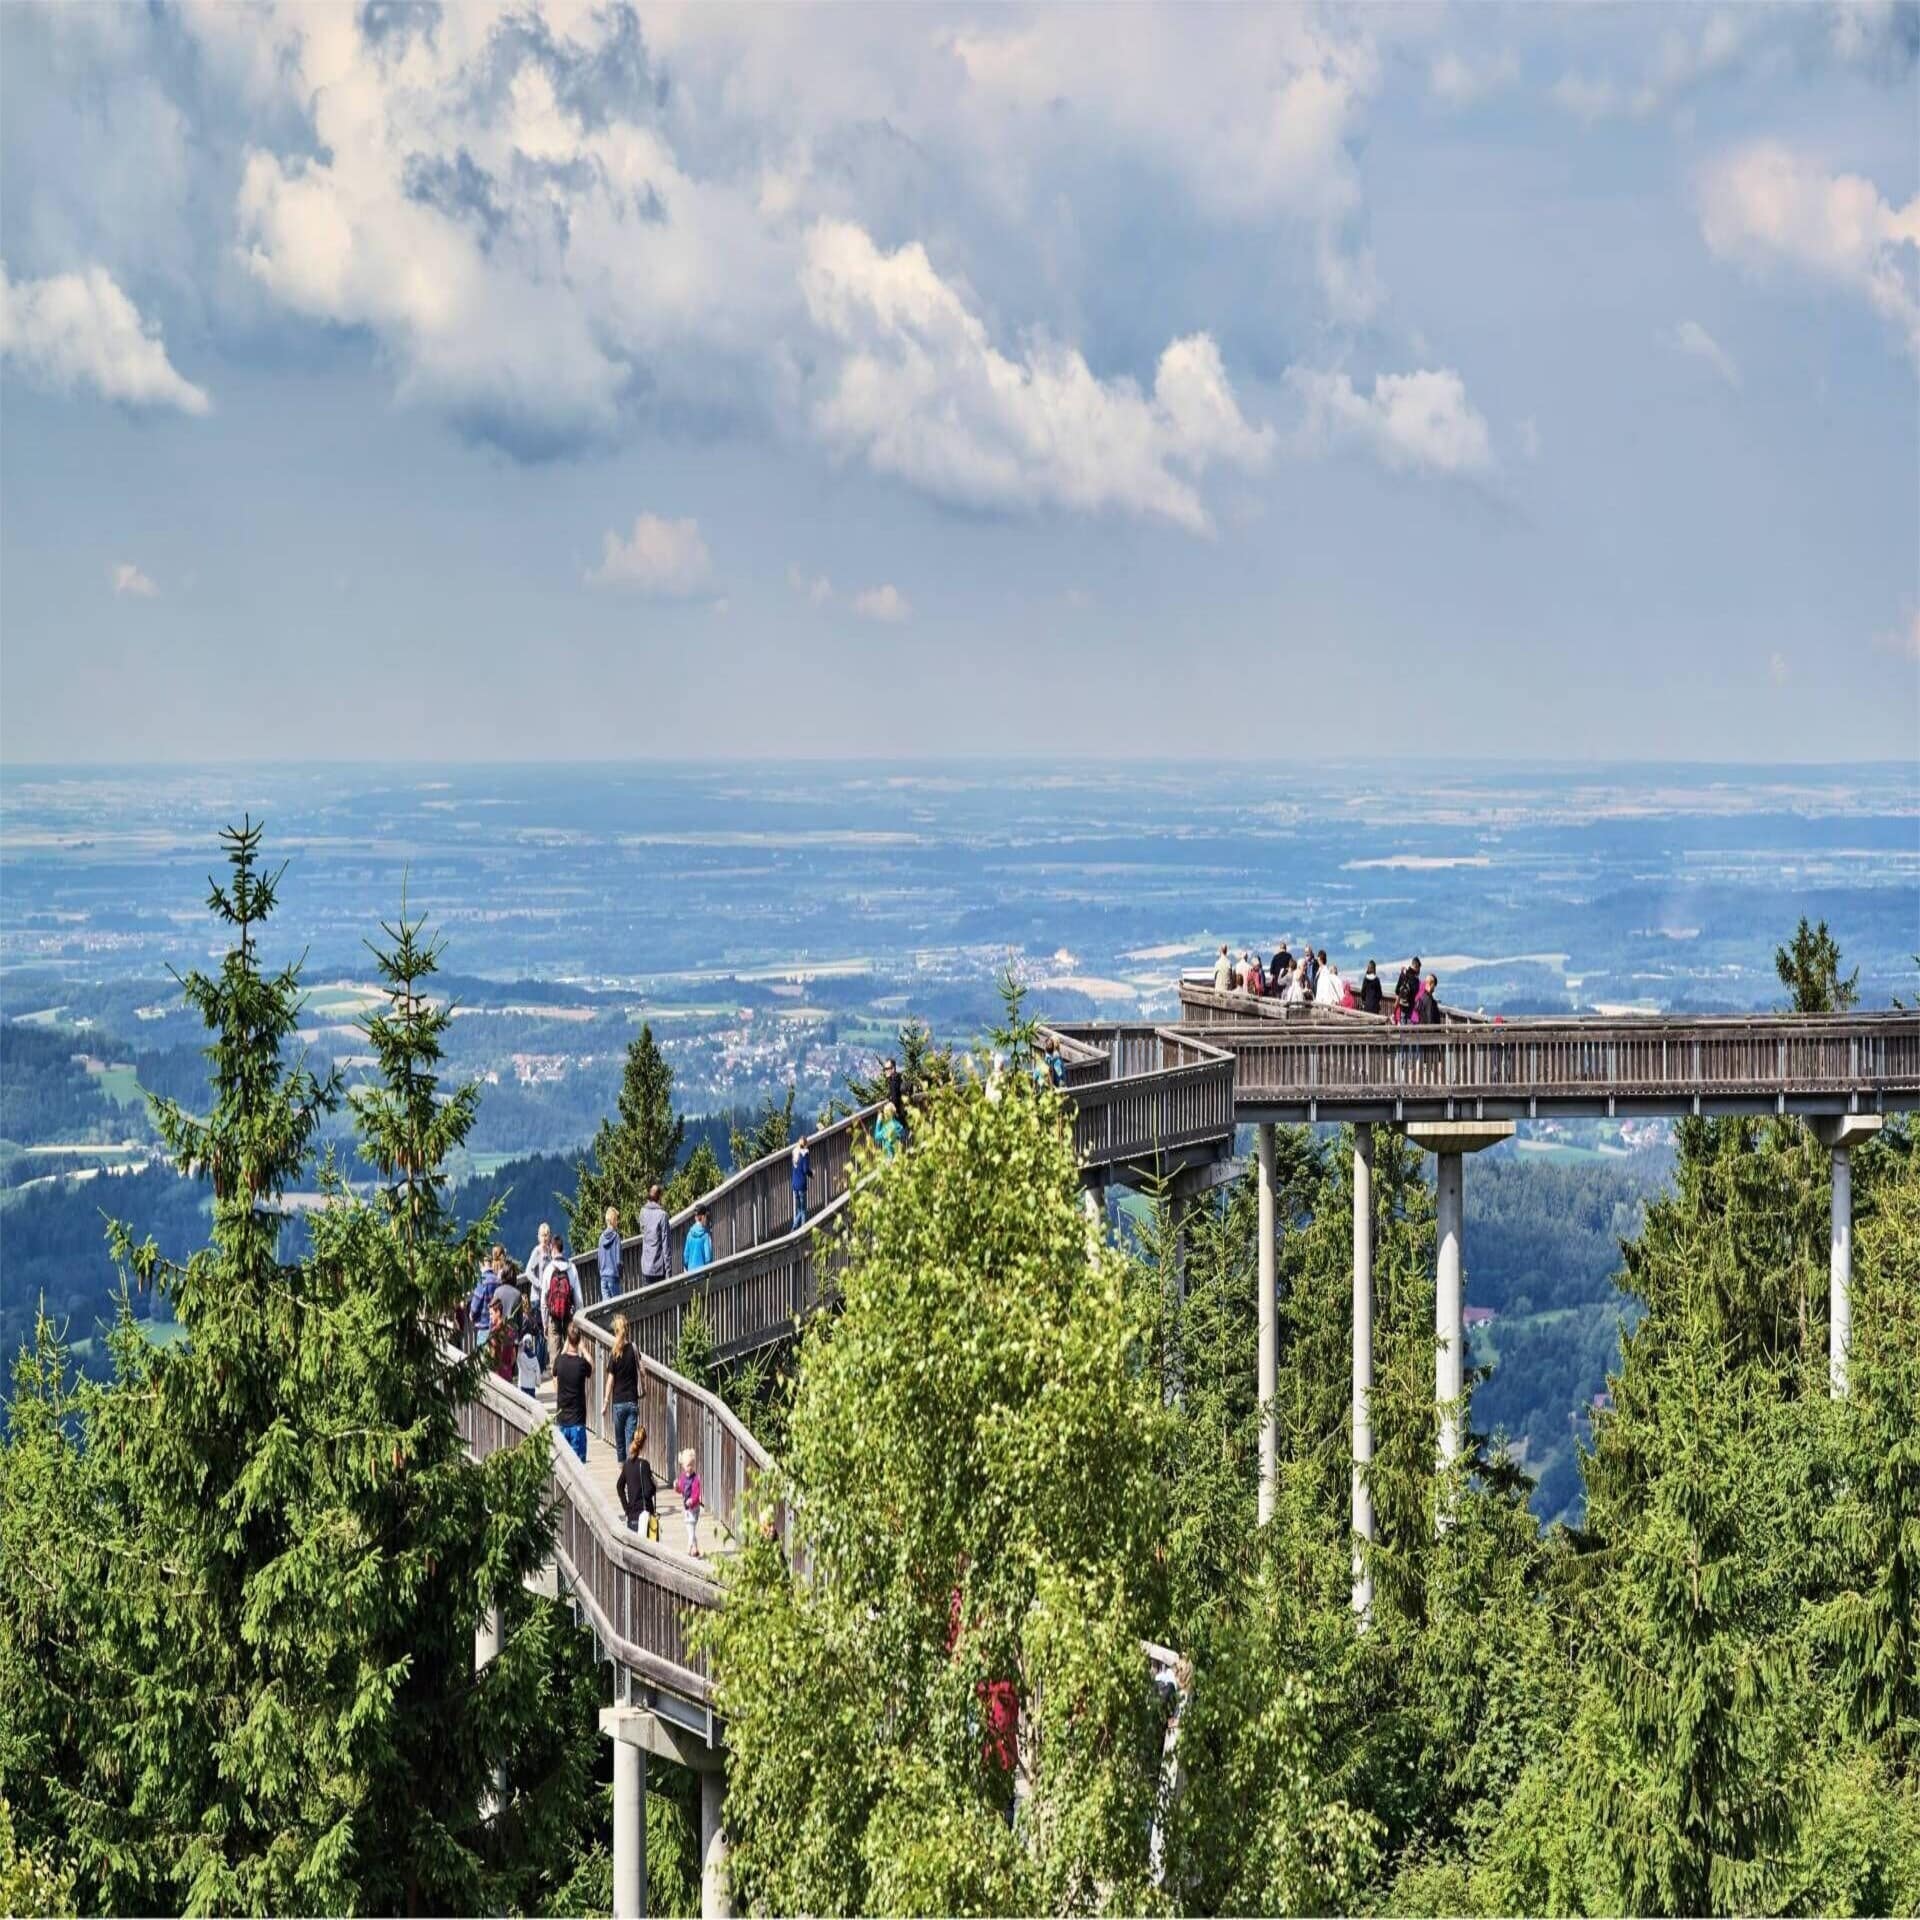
{"x": 620, "y": 1395}
{"x": 1370, "y": 989}
{"x": 897, "y": 1093}
{"x": 571, "y": 1372}
{"x": 636, "y": 1484}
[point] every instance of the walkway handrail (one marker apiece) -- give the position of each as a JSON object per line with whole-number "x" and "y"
{"x": 1672, "y": 1064}
{"x": 636, "y": 1592}
{"x": 748, "y": 1208}
{"x": 1201, "y": 1002}
{"x": 677, "y": 1413}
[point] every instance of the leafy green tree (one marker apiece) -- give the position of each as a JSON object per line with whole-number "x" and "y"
{"x": 631, "y": 1151}
{"x": 923, "y": 1066}
{"x": 693, "y": 1354}
{"x": 1809, "y": 968}
{"x": 30, "y": 1883}
{"x": 972, "y": 1456}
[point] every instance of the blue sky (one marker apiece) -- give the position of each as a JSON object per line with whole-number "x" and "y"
{"x": 576, "y": 380}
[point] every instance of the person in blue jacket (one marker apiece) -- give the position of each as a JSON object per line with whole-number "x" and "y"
{"x": 802, "y": 1166}
{"x": 699, "y": 1248}
{"x": 609, "y": 1255}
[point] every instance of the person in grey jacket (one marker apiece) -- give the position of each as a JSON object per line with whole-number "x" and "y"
{"x": 656, "y": 1255}
{"x": 610, "y": 1255}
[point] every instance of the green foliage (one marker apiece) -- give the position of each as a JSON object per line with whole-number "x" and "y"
{"x": 923, "y": 1067}
{"x": 701, "y": 1174}
{"x": 972, "y": 1450}
{"x": 769, "y": 1130}
{"x": 1809, "y": 968}
{"x": 633, "y": 1150}
{"x": 238, "y": 1657}
{"x": 30, "y": 1882}
{"x": 693, "y": 1355}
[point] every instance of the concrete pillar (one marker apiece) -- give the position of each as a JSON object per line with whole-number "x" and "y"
{"x": 629, "y": 1829}
{"x": 1362, "y": 1366}
{"x": 1840, "y": 1135}
{"x": 1269, "y": 1328}
{"x": 1451, "y": 1141}
{"x": 1090, "y": 1203}
{"x": 1449, "y": 1328}
{"x": 716, "y": 1899}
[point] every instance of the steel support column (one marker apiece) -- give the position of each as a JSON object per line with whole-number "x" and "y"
{"x": 716, "y": 1899}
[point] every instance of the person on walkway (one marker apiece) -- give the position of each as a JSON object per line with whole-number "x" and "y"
{"x": 502, "y": 1342}
{"x": 620, "y": 1393}
{"x": 526, "y": 1365}
{"x": 1056, "y": 1066}
{"x": 698, "y": 1251}
{"x": 610, "y": 1255}
{"x": 897, "y": 1088}
{"x": 636, "y": 1488}
{"x": 571, "y": 1373}
{"x": 1426, "y": 1004}
{"x": 656, "y": 1240}
{"x": 480, "y": 1302}
{"x": 1277, "y": 972}
{"x": 1370, "y": 989}
{"x": 1223, "y": 971}
{"x": 1294, "y": 993}
{"x": 1309, "y": 973}
{"x": 889, "y": 1134}
{"x": 687, "y": 1486}
{"x": 562, "y": 1297}
{"x": 538, "y": 1270}
{"x": 1328, "y": 987}
{"x": 1250, "y": 975}
{"x": 507, "y": 1296}
{"x": 802, "y": 1167}
{"x": 1406, "y": 990}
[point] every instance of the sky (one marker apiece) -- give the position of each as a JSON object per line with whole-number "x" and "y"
{"x": 584, "y": 381}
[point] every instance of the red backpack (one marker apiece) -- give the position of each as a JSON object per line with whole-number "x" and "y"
{"x": 559, "y": 1292}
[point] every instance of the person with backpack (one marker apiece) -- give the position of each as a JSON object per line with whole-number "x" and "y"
{"x": 562, "y": 1296}
{"x": 802, "y": 1168}
{"x": 656, "y": 1245}
{"x": 620, "y": 1395}
{"x": 571, "y": 1373}
{"x": 697, "y": 1252}
{"x": 1406, "y": 990}
{"x": 609, "y": 1252}
{"x": 687, "y": 1486}
{"x": 636, "y": 1488}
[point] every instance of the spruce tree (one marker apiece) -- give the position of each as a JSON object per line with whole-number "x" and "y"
{"x": 631, "y": 1151}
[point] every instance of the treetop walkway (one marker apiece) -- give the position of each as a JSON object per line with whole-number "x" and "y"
{"x": 1151, "y": 1105}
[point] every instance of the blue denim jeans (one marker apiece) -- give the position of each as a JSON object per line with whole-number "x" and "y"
{"x": 626, "y": 1416}
{"x": 799, "y": 1212}
{"x": 576, "y": 1438}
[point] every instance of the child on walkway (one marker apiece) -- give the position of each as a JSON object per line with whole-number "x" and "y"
{"x": 687, "y": 1486}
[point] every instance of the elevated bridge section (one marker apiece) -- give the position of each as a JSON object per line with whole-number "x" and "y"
{"x": 1297, "y": 1064}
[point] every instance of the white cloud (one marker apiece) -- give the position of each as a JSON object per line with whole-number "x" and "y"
{"x": 130, "y": 583}
{"x": 1692, "y": 338}
{"x": 1420, "y": 422}
{"x": 1456, "y": 81}
{"x": 76, "y": 330}
{"x": 1903, "y": 641}
{"x": 886, "y": 603}
{"x": 816, "y": 589}
{"x": 923, "y": 393}
{"x": 665, "y": 559}
{"x": 1764, "y": 206}
{"x": 1727, "y": 41}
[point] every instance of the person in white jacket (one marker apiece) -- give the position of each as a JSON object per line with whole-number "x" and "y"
{"x": 1294, "y": 993}
{"x": 1329, "y": 990}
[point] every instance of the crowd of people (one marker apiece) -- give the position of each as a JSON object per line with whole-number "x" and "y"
{"x": 1314, "y": 980}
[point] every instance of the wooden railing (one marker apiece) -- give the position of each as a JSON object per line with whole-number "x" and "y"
{"x": 1137, "y": 1092}
{"x": 745, "y": 1210}
{"x": 1202, "y": 1003}
{"x": 1164, "y": 1091}
{"x": 676, "y": 1413}
{"x": 1845, "y": 1058}
{"x": 638, "y": 1595}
